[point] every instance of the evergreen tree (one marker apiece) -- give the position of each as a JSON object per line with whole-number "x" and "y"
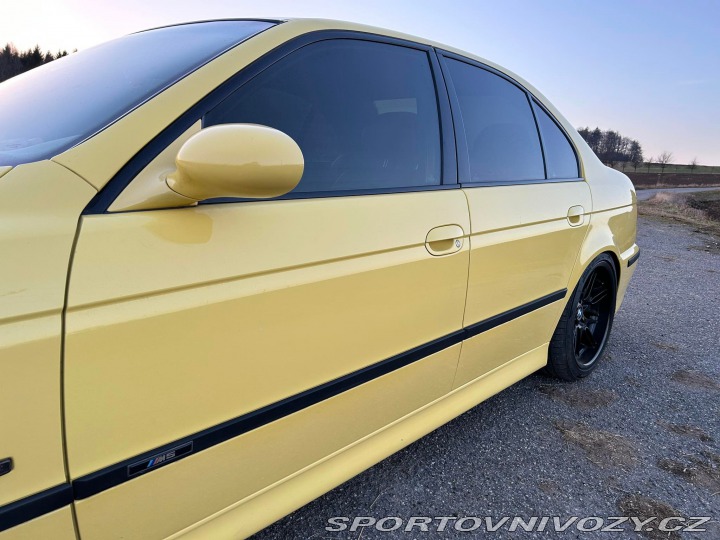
{"x": 14, "y": 62}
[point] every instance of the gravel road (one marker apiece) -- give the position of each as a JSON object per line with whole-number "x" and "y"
{"x": 645, "y": 194}
{"x": 641, "y": 436}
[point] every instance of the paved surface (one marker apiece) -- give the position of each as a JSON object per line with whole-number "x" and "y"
{"x": 641, "y": 435}
{"x": 645, "y": 194}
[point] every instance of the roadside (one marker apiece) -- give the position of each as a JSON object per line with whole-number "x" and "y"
{"x": 643, "y": 194}
{"x": 640, "y": 437}
{"x": 643, "y": 180}
{"x": 697, "y": 208}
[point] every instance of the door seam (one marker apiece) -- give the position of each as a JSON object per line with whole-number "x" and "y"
{"x": 63, "y": 331}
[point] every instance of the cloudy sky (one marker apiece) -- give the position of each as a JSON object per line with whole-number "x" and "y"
{"x": 647, "y": 68}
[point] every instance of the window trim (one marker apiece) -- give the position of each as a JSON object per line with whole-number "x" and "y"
{"x": 463, "y": 153}
{"x": 448, "y": 147}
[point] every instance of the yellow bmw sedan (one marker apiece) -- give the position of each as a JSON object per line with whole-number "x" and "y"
{"x": 244, "y": 260}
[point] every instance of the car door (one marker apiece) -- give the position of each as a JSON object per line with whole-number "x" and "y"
{"x": 529, "y": 210}
{"x": 241, "y": 342}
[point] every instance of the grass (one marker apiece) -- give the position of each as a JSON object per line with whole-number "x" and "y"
{"x": 700, "y": 210}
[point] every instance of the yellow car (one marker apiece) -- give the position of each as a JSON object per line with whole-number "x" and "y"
{"x": 244, "y": 260}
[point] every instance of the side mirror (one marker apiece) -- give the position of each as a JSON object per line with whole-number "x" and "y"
{"x": 237, "y": 160}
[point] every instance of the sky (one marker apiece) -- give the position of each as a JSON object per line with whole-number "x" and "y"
{"x": 649, "y": 69}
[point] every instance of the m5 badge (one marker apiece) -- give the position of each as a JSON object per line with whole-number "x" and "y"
{"x": 159, "y": 459}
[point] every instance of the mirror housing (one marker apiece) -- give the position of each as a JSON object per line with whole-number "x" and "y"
{"x": 237, "y": 160}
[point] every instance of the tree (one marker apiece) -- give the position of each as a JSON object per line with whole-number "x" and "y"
{"x": 612, "y": 148}
{"x": 636, "y": 155}
{"x": 693, "y": 165}
{"x": 649, "y": 163}
{"x": 664, "y": 160}
{"x": 10, "y": 64}
{"x": 14, "y": 62}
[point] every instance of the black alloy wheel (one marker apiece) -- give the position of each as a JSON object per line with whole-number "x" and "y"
{"x": 582, "y": 333}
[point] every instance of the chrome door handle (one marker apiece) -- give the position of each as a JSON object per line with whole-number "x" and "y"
{"x": 444, "y": 240}
{"x": 576, "y": 216}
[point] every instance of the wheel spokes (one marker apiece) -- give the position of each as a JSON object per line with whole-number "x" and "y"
{"x": 599, "y": 296}
{"x": 592, "y": 317}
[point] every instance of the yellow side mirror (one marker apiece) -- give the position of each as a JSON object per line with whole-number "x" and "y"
{"x": 237, "y": 160}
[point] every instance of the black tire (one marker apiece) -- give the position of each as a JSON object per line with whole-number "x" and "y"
{"x": 584, "y": 328}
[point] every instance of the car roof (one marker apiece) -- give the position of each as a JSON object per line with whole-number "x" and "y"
{"x": 315, "y": 24}
{"x": 304, "y": 25}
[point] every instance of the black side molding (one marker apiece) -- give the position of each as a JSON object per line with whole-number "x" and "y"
{"x": 632, "y": 260}
{"x": 497, "y": 320}
{"x": 35, "y": 506}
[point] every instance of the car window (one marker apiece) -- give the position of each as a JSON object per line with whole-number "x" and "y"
{"x": 51, "y": 108}
{"x": 363, "y": 113}
{"x": 560, "y": 159}
{"x": 502, "y": 138}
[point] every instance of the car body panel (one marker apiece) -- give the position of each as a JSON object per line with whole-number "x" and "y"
{"x": 39, "y": 208}
{"x": 57, "y": 525}
{"x": 522, "y": 246}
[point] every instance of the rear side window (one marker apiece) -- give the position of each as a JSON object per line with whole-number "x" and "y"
{"x": 560, "y": 159}
{"x": 502, "y": 138}
{"x": 364, "y": 114}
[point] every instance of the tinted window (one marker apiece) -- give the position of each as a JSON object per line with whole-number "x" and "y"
{"x": 560, "y": 159}
{"x": 52, "y": 107}
{"x": 363, "y": 113}
{"x": 502, "y": 137}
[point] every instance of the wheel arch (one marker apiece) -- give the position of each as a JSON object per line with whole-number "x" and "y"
{"x": 598, "y": 241}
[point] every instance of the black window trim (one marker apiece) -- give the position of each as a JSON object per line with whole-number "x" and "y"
{"x": 449, "y": 170}
{"x": 463, "y": 154}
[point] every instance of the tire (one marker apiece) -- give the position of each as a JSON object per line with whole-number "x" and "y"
{"x": 584, "y": 328}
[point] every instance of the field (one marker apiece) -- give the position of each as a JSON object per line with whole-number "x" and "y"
{"x": 701, "y": 210}
{"x": 654, "y": 180}
{"x": 677, "y": 169}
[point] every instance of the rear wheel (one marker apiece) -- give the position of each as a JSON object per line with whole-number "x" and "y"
{"x": 583, "y": 330}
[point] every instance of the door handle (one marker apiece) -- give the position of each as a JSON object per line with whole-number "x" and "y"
{"x": 576, "y": 216}
{"x": 444, "y": 240}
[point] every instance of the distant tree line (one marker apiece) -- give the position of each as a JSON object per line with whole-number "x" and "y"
{"x": 14, "y": 62}
{"x": 612, "y": 148}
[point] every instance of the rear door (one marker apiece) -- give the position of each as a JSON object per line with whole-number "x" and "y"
{"x": 529, "y": 211}
{"x": 239, "y": 342}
